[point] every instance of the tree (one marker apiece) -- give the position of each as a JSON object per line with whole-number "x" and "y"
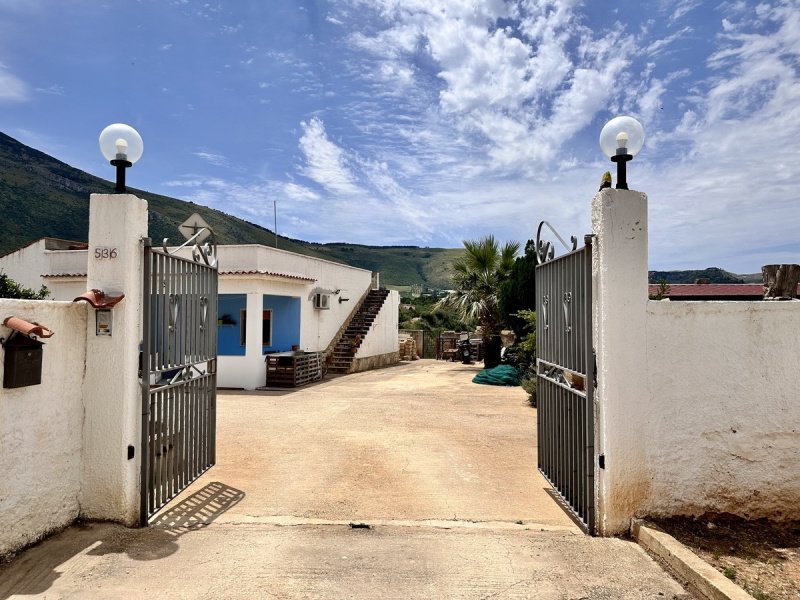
{"x": 11, "y": 289}
{"x": 477, "y": 277}
{"x": 518, "y": 292}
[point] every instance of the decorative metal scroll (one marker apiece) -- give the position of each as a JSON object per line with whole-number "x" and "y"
{"x": 546, "y": 250}
{"x": 205, "y": 251}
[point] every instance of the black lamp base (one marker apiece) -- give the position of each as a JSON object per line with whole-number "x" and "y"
{"x": 622, "y": 175}
{"x": 121, "y": 166}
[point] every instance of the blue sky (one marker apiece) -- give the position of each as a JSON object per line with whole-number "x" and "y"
{"x": 426, "y": 122}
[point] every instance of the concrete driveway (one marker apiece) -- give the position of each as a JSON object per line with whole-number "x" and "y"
{"x": 408, "y": 482}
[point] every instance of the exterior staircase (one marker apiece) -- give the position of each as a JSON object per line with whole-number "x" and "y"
{"x": 359, "y": 326}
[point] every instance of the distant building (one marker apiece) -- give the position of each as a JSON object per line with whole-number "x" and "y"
{"x": 712, "y": 291}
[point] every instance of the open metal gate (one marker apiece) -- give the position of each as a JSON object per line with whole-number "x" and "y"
{"x": 178, "y": 371}
{"x": 565, "y": 375}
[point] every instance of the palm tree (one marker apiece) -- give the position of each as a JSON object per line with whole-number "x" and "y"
{"x": 477, "y": 277}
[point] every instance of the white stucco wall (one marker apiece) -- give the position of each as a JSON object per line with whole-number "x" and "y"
{"x": 697, "y": 403}
{"x": 65, "y": 288}
{"x": 619, "y": 289}
{"x": 26, "y": 265}
{"x": 41, "y": 429}
{"x": 723, "y": 406}
{"x": 248, "y": 371}
{"x": 112, "y": 391}
{"x": 382, "y": 337}
{"x": 317, "y": 327}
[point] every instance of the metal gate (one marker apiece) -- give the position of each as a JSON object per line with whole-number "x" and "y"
{"x": 565, "y": 375}
{"x": 429, "y": 343}
{"x": 178, "y": 370}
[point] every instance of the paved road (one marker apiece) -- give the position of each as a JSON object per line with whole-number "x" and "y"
{"x": 441, "y": 473}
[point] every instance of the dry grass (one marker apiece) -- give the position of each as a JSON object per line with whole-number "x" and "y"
{"x": 761, "y": 557}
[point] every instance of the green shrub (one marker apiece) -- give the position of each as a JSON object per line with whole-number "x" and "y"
{"x": 525, "y": 353}
{"x": 11, "y": 289}
{"x": 528, "y": 384}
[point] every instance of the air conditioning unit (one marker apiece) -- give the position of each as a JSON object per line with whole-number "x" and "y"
{"x": 322, "y": 301}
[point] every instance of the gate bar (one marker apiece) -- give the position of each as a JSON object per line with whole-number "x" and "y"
{"x": 144, "y": 377}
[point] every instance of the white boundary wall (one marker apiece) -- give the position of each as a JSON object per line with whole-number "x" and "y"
{"x": 724, "y": 408}
{"x": 698, "y": 403}
{"x": 41, "y": 428}
{"x": 64, "y": 443}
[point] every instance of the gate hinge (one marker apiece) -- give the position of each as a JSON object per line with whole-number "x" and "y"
{"x": 601, "y": 461}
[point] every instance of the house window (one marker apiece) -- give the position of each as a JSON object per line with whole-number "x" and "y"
{"x": 266, "y": 327}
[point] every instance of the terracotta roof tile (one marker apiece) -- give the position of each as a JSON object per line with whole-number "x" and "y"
{"x": 64, "y": 275}
{"x": 268, "y": 273}
{"x": 99, "y": 299}
{"x": 678, "y": 290}
{"x": 27, "y": 328}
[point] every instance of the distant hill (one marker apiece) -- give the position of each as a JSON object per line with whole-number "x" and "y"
{"x": 713, "y": 274}
{"x": 41, "y": 196}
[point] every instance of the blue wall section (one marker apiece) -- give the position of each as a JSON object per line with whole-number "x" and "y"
{"x": 285, "y": 322}
{"x": 230, "y": 305}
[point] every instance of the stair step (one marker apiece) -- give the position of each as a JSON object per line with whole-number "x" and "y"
{"x": 359, "y": 326}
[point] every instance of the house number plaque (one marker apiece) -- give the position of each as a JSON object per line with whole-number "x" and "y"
{"x": 105, "y": 253}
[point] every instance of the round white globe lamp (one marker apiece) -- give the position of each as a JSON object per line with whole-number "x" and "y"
{"x": 621, "y": 139}
{"x": 122, "y": 146}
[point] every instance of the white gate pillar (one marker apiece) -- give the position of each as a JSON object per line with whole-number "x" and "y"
{"x": 112, "y": 395}
{"x": 619, "y": 273}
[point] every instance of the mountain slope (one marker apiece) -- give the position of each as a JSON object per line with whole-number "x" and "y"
{"x": 42, "y": 196}
{"x": 713, "y": 274}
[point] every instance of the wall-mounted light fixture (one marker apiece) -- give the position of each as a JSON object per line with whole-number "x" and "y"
{"x": 122, "y": 146}
{"x": 621, "y": 139}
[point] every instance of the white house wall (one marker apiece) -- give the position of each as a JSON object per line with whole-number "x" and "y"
{"x": 41, "y": 428}
{"x": 27, "y": 265}
{"x": 65, "y": 288}
{"x": 317, "y": 327}
{"x": 724, "y": 408}
{"x": 248, "y": 371}
{"x": 382, "y": 338}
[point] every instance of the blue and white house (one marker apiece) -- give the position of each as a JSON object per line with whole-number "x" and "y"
{"x": 270, "y": 300}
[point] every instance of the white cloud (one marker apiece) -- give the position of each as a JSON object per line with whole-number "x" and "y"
{"x": 683, "y": 8}
{"x": 12, "y": 88}
{"x": 518, "y": 93}
{"x": 734, "y": 167}
{"x": 325, "y": 162}
{"x": 53, "y": 90}
{"x": 658, "y": 46}
{"x": 215, "y": 159}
